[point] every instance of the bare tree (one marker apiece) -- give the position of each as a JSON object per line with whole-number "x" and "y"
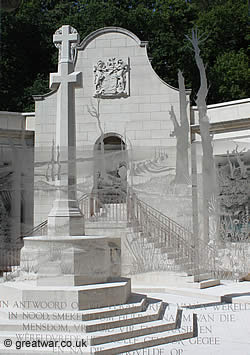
{"x": 208, "y": 166}
{"x": 95, "y": 112}
{"x": 181, "y": 133}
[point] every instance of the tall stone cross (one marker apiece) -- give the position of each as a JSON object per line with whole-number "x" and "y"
{"x": 65, "y": 218}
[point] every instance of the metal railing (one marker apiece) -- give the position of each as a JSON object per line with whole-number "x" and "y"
{"x": 9, "y": 258}
{"x": 173, "y": 239}
{"x": 41, "y": 229}
{"x": 112, "y": 208}
{"x": 149, "y": 224}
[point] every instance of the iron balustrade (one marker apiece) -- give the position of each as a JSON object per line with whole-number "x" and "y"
{"x": 150, "y": 225}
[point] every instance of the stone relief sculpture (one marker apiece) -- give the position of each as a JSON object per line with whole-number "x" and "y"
{"x": 111, "y": 78}
{"x": 234, "y": 195}
{"x": 53, "y": 171}
{"x": 5, "y": 206}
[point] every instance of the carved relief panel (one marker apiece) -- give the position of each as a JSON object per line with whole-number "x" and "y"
{"x": 111, "y": 78}
{"x": 234, "y": 195}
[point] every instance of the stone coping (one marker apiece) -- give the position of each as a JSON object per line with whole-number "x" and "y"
{"x": 43, "y": 238}
{"x": 31, "y": 285}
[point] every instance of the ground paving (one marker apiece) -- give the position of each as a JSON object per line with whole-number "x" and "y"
{"x": 223, "y": 328}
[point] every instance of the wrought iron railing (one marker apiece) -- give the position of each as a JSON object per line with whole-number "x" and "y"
{"x": 113, "y": 209}
{"x": 9, "y": 258}
{"x": 40, "y": 229}
{"x": 171, "y": 237}
{"x": 150, "y": 225}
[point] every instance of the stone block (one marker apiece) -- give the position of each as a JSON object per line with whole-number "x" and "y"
{"x": 4, "y": 122}
{"x": 109, "y": 52}
{"x": 72, "y": 261}
{"x": 91, "y": 44}
{"x": 135, "y": 125}
{"x": 92, "y": 137}
{"x": 94, "y": 53}
{"x": 103, "y": 43}
{"x": 243, "y": 110}
{"x": 166, "y": 107}
{"x": 152, "y": 125}
{"x": 66, "y": 297}
{"x": 163, "y": 116}
{"x": 167, "y": 142}
{"x": 113, "y": 35}
{"x": 142, "y": 134}
{"x": 129, "y": 107}
{"x": 137, "y": 61}
{"x": 126, "y": 52}
{"x": 130, "y": 42}
{"x": 119, "y": 42}
{"x": 140, "y": 99}
{"x": 109, "y": 108}
{"x": 158, "y": 98}
{"x": 130, "y": 134}
{"x": 80, "y": 57}
{"x": 149, "y": 108}
{"x": 140, "y": 51}
{"x": 167, "y": 124}
{"x": 160, "y": 133}
{"x": 88, "y": 127}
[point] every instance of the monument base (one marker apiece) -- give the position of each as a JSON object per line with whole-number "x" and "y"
{"x": 65, "y": 218}
{"x": 71, "y": 261}
{"x": 84, "y": 271}
{"x": 70, "y": 298}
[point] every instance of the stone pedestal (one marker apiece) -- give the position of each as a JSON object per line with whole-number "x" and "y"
{"x": 69, "y": 261}
{"x": 65, "y": 218}
{"x": 80, "y": 271}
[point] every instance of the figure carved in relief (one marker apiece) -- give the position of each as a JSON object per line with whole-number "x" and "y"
{"x": 121, "y": 71}
{"x": 99, "y": 71}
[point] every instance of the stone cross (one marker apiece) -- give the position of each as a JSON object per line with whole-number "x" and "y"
{"x": 65, "y": 217}
{"x": 64, "y": 40}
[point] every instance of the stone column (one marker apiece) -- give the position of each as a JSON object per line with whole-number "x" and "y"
{"x": 65, "y": 218}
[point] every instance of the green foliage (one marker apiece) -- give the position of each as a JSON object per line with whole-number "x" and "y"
{"x": 28, "y": 55}
{"x": 225, "y": 25}
{"x": 230, "y": 76}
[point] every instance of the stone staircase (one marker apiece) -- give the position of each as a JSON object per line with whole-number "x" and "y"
{"x": 159, "y": 257}
{"x": 140, "y": 323}
{"x": 163, "y": 243}
{"x": 117, "y": 327}
{"x": 160, "y": 243}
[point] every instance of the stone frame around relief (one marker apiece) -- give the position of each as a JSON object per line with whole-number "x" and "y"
{"x": 111, "y": 77}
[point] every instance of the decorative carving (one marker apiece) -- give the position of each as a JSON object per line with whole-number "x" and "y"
{"x": 58, "y": 45}
{"x": 234, "y": 179}
{"x": 53, "y": 171}
{"x": 111, "y": 78}
{"x": 66, "y": 37}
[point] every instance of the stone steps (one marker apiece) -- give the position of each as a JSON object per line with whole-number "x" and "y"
{"x": 209, "y": 283}
{"x": 85, "y": 315}
{"x": 201, "y": 277}
{"x": 158, "y": 324}
{"x": 123, "y": 320}
{"x": 187, "y": 330}
{"x": 127, "y": 332}
{"x": 150, "y": 314}
{"x": 86, "y": 297}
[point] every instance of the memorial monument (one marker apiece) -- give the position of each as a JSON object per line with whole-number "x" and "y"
{"x": 80, "y": 273}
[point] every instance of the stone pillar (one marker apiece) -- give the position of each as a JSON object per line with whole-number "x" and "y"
{"x": 195, "y": 242}
{"x": 65, "y": 218}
